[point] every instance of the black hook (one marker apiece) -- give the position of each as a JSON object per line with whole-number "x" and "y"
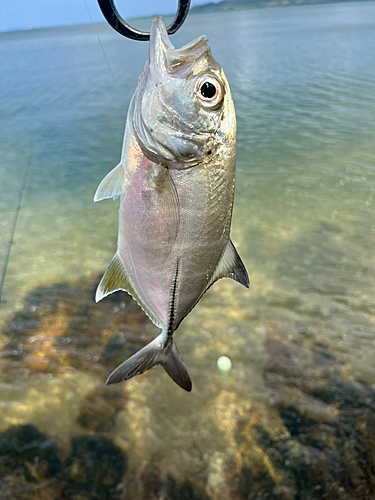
{"x": 113, "y": 17}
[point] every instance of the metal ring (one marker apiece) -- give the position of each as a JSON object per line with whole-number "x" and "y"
{"x": 113, "y": 18}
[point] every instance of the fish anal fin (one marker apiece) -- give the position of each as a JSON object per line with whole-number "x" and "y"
{"x": 112, "y": 186}
{"x": 230, "y": 266}
{"x": 115, "y": 278}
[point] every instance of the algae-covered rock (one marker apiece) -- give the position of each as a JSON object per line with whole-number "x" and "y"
{"x": 94, "y": 468}
{"x": 329, "y": 450}
{"x": 261, "y": 486}
{"x": 29, "y": 465}
{"x": 100, "y": 408}
{"x": 17, "y": 489}
{"x": 168, "y": 489}
{"x": 27, "y": 453}
{"x": 61, "y": 327}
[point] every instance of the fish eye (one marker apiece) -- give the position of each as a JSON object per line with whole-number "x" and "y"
{"x": 209, "y": 91}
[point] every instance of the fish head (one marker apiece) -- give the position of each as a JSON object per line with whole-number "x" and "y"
{"x": 182, "y": 110}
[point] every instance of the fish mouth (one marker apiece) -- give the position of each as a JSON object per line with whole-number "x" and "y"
{"x": 165, "y": 58}
{"x": 159, "y": 47}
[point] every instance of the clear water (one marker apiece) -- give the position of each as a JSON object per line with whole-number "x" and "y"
{"x": 295, "y": 416}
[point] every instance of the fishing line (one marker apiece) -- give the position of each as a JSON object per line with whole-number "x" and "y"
{"x": 105, "y": 56}
{"x": 11, "y": 241}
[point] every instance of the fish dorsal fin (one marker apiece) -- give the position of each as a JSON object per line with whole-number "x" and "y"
{"x": 230, "y": 266}
{"x": 114, "y": 279}
{"x": 112, "y": 186}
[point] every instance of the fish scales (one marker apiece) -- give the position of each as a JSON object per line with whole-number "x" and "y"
{"x": 176, "y": 183}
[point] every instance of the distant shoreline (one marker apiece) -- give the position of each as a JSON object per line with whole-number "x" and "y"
{"x": 237, "y": 5}
{"x": 207, "y": 8}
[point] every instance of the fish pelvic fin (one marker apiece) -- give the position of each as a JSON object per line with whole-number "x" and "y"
{"x": 115, "y": 278}
{"x": 157, "y": 352}
{"x": 112, "y": 186}
{"x": 230, "y": 266}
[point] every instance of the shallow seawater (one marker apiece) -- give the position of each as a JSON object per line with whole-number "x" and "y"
{"x": 295, "y": 416}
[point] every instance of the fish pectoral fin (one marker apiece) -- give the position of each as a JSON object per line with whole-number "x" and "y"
{"x": 114, "y": 279}
{"x": 153, "y": 354}
{"x": 112, "y": 186}
{"x": 230, "y": 266}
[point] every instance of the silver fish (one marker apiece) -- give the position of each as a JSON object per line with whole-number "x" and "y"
{"x": 176, "y": 182}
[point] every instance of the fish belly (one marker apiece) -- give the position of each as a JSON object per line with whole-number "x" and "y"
{"x": 205, "y": 194}
{"x": 173, "y": 221}
{"x": 148, "y": 228}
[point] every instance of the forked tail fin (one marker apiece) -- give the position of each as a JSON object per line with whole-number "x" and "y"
{"x": 153, "y": 354}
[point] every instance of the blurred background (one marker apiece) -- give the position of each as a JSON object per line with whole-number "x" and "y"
{"x": 294, "y": 417}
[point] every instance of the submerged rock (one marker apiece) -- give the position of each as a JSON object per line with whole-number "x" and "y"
{"x": 100, "y": 408}
{"x": 31, "y": 469}
{"x": 26, "y": 453}
{"x": 169, "y": 489}
{"x": 61, "y": 327}
{"x": 15, "y": 489}
{"x": 329, "y": 450}
{"x": 29, "y": 465}
{"x": 94, "y": 468}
